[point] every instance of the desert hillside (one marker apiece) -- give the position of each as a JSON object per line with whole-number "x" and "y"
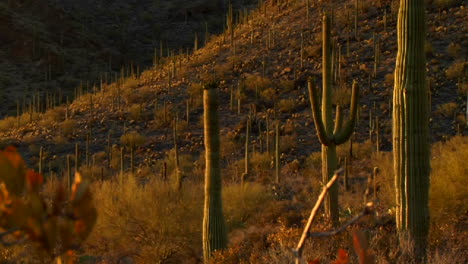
{"x": 134, "y": 128}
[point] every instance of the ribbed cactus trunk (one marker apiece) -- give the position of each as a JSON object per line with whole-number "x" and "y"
{"x": 214, "y": 230}
{"x": 410, "y": 127}
{"x": 329, "y": 159}
{"x": 330, "y": 135}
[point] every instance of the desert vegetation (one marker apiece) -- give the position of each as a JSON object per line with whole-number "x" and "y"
{"x": 226, "y": 149}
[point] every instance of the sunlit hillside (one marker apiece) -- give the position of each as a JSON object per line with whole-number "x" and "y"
{"x": 135, "y": 131}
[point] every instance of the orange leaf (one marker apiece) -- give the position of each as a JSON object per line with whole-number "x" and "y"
{"x": 12, "y": 155}
{"x": 343, "y": 257}
{"x": 314, "y": 261}
{"x": 361, "y": 247}
{"x": 12, "y": 171}
{"x": 34, "y": 180}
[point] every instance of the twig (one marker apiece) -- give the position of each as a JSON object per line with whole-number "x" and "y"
{"x": 367, "y": 210}
{"x": 298, "y": 250}
{"x": 8, "y": 232}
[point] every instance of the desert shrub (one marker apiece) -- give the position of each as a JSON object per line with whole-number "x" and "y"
{"x": 448, "y": 179}
{"x": 132, "y": 139}
{"x": 342, "y": 96}
{"x": 234, "y": 61}
{"x": 314, "y": 160}
{"x": 55, "y": 114}
{"x": 135, "y": 111}
{"x": 52, "y": 116}
{"x": 385, "y": 178}
{"x": 7, "y": 123}
{"x": 361, "y": 150}
{"x": 287, "y": 105}
{"x": 223, "y": 71}
{"x": 94, "y": 173}
{"x": 195, "y": 91}
{"x": 447, "y": 110}
{"x": 159, "y": 121}
{"x": 61, "y": 143}
{"x": 253, "y": 82}
{"x": 286, "y": 86}
{"x": 68, "y": 127}
{"x": 313, "y": 51}
{"x": 130, "y": 83}
{"x": 456, "y": 70}
{"x": 143, "y": 222}
{"x": 186, "y": 163}
{"x": 242, "y": 202}
{"x": 288, "y": 142}
{"x": 389, "y": 79}
{"x": 269, "y": 95}
{"x": 428, "y": 48}
{"x": 231, "y": 144}
{"x": 260, "y": 164}
{"x": 454, "y": 50}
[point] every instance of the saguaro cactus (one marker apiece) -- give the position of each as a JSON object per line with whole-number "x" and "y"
{"x": 411, "y": 127}
{"x": 328, "y": 135}
{"x": 214, "y": 230}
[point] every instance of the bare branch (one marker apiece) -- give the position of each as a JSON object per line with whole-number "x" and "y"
{"x": 298, "y": 250}
{"x": 367, "y": 210}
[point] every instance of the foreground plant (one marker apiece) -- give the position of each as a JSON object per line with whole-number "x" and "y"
{"x": 57, "y": 227}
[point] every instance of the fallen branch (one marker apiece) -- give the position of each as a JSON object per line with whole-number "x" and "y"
{"x": 298, "y": 250}
{"x": 367, "y": 210}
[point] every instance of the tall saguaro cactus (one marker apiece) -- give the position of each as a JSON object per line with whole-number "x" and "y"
{"x": 214, "y": 230}
{"x": 330, "y": 135}
{"x": 411, "y": 126}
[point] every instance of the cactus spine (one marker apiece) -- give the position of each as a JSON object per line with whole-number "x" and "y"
{"x": 328, "y": 135}
{"x": 214, "y": 230}
{"x": 410, "y": 127}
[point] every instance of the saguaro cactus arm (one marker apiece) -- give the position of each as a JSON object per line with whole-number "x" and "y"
{"x": 321, "y": 133}
{"x": 338, "y": 120}
{"x": 347, "y": 130}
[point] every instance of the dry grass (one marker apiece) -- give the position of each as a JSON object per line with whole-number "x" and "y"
{"x": 448, "y": 179}
{"x": 143, "y": 221}
{"x": 456, "y": 70}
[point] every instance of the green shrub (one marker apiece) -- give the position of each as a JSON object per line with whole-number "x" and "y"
{"x": 454, "y": 50}
{"x": 144, "y": 221}
{"x": 448, "y": 192}
{"x": 456, "y": 70}
{"x": 447, "y": 110}
{"x": 132, "y": 139}
{"x": 68, "y": 127}
{"x": 7, "y": 123}
{"x": 342, "y": 96}
{"x": 286, "y": 105}
{"x": 242, "y": 202}
{"x": 253, "y": 82}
